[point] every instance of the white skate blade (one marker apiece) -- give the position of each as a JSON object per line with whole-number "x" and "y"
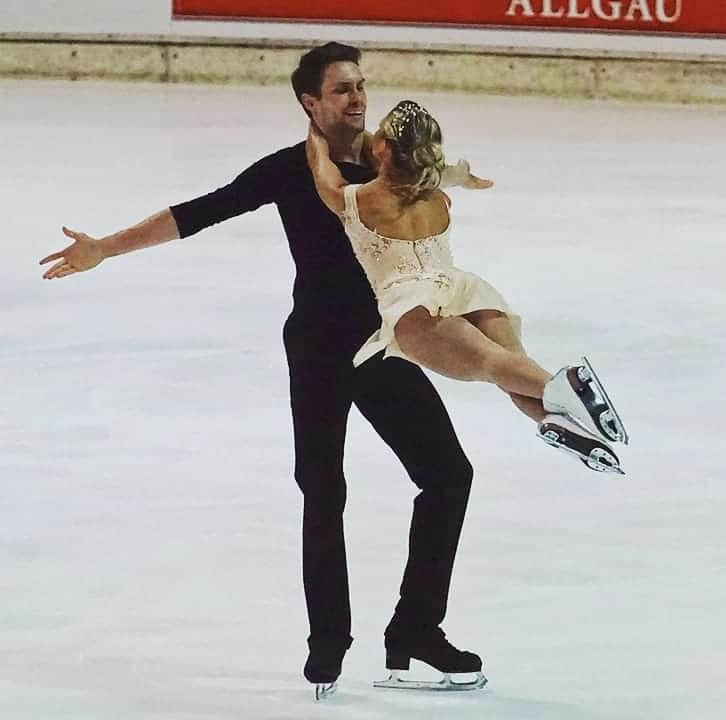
{"x": 446, "y": 684}
{"x": 619, "y": 426}
{"x": 325, "y": 690}
{"x": 560, "y": 430}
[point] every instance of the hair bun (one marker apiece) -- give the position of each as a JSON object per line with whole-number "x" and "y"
{"x": 418, "y": 158}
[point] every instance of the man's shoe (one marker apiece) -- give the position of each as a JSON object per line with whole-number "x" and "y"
{"x": 432, "y": 648}
{"x": 324, "y": 661}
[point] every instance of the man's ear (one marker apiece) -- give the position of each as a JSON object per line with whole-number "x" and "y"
{"x": 308, "y": 103}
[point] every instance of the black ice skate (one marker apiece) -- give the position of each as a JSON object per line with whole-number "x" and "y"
{"x": 562, "y": 432}
{"x": 434, "y": 650}
{"x": 323, "y": 668}
{"x": 578, "y": 392}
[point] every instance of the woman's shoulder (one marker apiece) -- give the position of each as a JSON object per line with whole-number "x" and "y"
{"x": 441, "y": 194}
{"x": 436, "y": 204}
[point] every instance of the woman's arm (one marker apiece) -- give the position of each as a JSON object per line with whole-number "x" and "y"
{"x": 328, "y": 181}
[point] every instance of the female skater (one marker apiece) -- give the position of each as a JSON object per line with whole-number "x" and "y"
{"x": 436, "y": 315}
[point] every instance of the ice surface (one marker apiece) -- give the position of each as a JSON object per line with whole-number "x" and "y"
{"x": 149, "y": 522}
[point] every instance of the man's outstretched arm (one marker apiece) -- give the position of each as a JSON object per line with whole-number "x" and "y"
{"x": 255, "y": 186}
{"x": 86, "y": 252}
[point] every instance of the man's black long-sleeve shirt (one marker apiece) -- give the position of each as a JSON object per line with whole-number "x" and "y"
{"x": 332, "y": 297}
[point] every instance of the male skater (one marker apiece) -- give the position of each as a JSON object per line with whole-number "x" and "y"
{"x": 334, "y": 313}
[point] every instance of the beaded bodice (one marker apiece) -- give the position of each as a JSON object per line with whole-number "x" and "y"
{"x": 388, "y": 261}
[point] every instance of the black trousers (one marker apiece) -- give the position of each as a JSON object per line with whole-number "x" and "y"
{"x": 402, "y": 405}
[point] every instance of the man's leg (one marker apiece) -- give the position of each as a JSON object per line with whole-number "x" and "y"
{"x": 407, "y": 412}
{"x": 320, "y": 401}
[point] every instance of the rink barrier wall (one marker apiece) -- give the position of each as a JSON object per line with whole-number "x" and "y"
{"x": 597, "y": 74}
{"x": 703, "y": 17}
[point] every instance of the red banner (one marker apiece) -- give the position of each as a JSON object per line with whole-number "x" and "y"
{"x": 671, "y": 16}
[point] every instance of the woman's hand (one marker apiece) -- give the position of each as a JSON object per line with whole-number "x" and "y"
{"x": 317, "y": 144}
{"x": 328, "y": 181}
{"x": 367, "y": 151}
{"x": 461, "y": 175}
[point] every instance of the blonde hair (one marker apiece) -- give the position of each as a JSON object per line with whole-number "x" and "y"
{"x": 415, "y": 140}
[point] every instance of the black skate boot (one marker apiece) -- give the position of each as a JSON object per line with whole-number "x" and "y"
{"x": 562, "y": 432}
{"x": 578, "y": 392}
{"x": 435, "y": 650}
{"x": 323, "y": 667}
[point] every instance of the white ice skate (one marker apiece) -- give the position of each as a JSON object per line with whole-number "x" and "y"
{"x": 577, "y": 391}
{"x": 562, "y": 432}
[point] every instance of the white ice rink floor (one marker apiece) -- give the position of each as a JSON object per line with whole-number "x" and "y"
{"x": 149, "y": 521}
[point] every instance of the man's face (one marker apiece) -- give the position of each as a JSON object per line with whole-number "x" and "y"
{"x": 341, "y": 107}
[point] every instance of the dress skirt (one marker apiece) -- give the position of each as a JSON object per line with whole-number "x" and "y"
{"x": 443, "y": 294}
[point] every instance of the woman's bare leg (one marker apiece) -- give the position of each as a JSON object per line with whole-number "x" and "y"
{"x": 459, "y": 349}
{"x": 463, "y": 348}
{"x": 497, "y": 327}
{"x": 531, "y": 407}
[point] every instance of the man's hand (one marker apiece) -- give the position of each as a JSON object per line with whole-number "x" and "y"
{"x": 460, "y": 174}
{"x": 85, "y": 253}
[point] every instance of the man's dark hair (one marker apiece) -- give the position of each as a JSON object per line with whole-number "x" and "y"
{"x": 308, "y": 76}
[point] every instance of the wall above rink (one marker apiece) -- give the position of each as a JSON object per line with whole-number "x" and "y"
{"x": 139, "y": 40}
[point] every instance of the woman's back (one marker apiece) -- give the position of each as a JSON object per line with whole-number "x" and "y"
{"x": 412, "y": 244}
{"x": 381, "y": 211}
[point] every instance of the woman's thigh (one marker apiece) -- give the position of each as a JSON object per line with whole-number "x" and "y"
{"x": 496, "y": 326}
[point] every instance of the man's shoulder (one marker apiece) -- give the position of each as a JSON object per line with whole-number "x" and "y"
{"x": 272, "y": 175}
{"x": 287, "y": 156}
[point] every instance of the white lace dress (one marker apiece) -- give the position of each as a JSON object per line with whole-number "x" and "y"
{"x": 407, "y": 273}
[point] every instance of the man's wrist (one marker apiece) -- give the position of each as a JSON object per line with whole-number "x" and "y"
{"x": 108, "y": 246}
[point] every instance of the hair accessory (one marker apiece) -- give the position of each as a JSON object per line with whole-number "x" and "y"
{"x": 402, "y": 114}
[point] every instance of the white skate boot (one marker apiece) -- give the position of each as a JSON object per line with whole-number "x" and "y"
{"x": 577, "y": 391}
{"x": 562, "y": 432}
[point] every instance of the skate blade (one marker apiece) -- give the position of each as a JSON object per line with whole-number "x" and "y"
{"x": 619, "y": 426}
{"x": 325, "y": 690}
{"x": 600, "y": 467}
{"x": 446, "y": 684}
{"x": 597, "y": 459}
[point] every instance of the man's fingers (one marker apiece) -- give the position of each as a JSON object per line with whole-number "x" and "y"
{"x": 58, "y": 266}
{"x": 52, "y": 272}
{"x": 71, "y": 233}
{"x": 53, "y": 256}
